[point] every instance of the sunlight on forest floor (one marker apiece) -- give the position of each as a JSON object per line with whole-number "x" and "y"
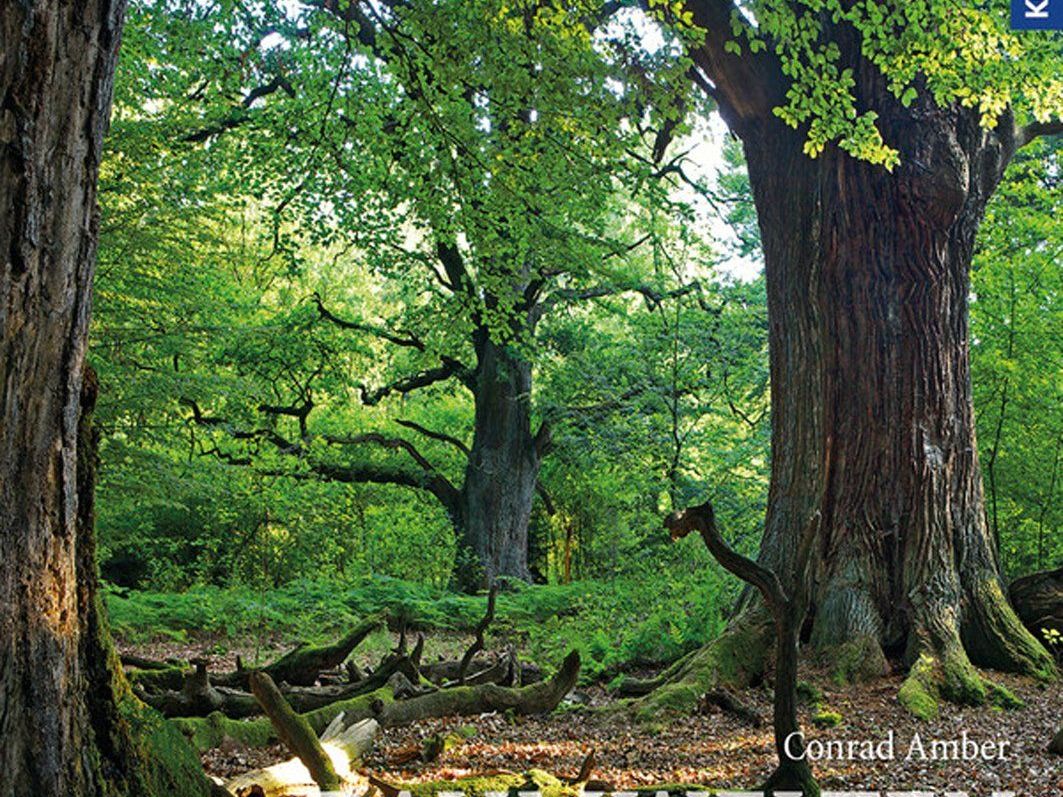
{"x": 713, "y": 750}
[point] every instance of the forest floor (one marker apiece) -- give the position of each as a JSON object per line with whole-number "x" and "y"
{"x": 711, "y": 750}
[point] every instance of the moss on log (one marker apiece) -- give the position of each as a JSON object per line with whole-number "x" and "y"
{"x": 295, "y": 731}
{"x": 211, "y": 731}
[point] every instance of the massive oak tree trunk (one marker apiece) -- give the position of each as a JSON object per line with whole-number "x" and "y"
{"x": 868, "y": 282}
{"x": 503, "y": 466}
{"x": 67, "y": 721}
{"x": 872, "y": 421}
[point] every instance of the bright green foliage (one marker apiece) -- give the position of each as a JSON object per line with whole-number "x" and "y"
{"x": 1017, "y": 360}
{"x": 653, "y": 621}
{"x": 954, "y": 53}
{"x": 264, "y": 152}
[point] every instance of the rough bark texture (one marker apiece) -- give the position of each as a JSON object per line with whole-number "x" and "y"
{"x": 503, "y": 468}
{"x": 868, "y": 279}
{"x": 872, "y": 422}
{"x": 69, "y": 723}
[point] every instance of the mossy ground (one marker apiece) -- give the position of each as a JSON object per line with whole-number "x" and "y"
{"x": 509, "y": 783}
{"x": 825, "y": 718}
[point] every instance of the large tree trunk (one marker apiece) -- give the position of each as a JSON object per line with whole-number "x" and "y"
{"x": 868, "y": 282}
{"x": 67, "y": 718}
{"x": 503, "y": 468}
{"x": 872, "y": 420}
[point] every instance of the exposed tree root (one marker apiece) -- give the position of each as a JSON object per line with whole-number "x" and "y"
{"x": 628, "y": 686}
{"x": 994, "y": 637}
{"x": 738, "y": 659}
{"x": 989, "y": 636}
{"x": 726, "y": 701}
{"x": 952, "y": 678}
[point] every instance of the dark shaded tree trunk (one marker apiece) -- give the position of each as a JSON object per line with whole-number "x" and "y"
{"x": 503, "y": 468}
{"x": 68, "y": 722}
{"x": 868, "y": 282}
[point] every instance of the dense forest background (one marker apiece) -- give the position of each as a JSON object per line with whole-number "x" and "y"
{"x": 248, "y": 295}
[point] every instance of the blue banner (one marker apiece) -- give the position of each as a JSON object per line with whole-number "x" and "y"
{"x": 1037, "y": 14}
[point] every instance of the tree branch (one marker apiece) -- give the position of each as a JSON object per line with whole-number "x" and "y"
{"x": 453, "y": 264}
{"x": 428, "y": 478}
{"x": 440, "y": 436}
{"x": 544, "y": 440}
{"x": 703, "y": 520}
{"x": 385, "y": 442}
{"x": 241, "y": 113}
{"x": 281, "y": 443}
{"x": 652, "y": 296}
{"x": 407, "y": 384}
{"x": 1034, "y": 130}
{"x": 407, "y": 339}
{"x": 547, "y": 499}
{"x": 746, "y": 87}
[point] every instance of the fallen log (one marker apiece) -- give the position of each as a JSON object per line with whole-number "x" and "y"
{"x": 443, "y": 672}
{"x": 213, "y": 730}
{"x": 467, "y": 700}
{"x": 198, "y": 698}
{"x": 302, "y": 665}
{"x": 172, "y": 677}
{"x": 505, "y": 672}
{"x": 142, "y": 663}
{"x": 295, "y": 732}
{"x": 308, "y": 698}
{"x": 210, "y": 731}
{"x": 345, "y": 748}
